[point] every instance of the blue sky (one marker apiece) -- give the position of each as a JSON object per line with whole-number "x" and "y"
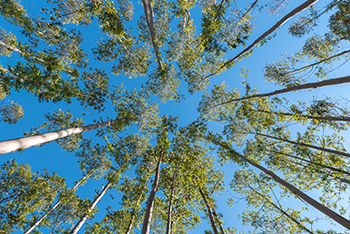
{"x": 65, "y": 164}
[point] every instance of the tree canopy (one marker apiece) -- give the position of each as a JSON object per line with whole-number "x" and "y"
{"x": 164, "y": 121}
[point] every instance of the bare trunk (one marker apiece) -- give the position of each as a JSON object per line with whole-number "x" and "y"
{"x": 93, "y": 204}
{"x": 329, "y": 118}
{"x": 213, "y": 225}
{"x": 282, "y": 211}
{"x": 170, "y": 207}
{"x": 336, "y": 81}
{"x": 26, "y": 142}
{"x": 2, "y": 43}
{"x": 150, "y": 201}
{"x": 134, "y": 210}
{"x": 321, "y": 61}
{"x": 53, "y": 207}
{"x": 218, "y": 220}
{"x": 326, "y": 173}
{"x": 291, "y": 14}
{"x": 317, "y": 164}
{"x": 306, "y": 145}
{"x": 151, "y": 26}
{"x": 326, "y": 211}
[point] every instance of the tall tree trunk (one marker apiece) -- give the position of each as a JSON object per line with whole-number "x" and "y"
{"x": 170, "y": 207}
{"x": 282, "y": 211}
{"x": 92, "y": 206}
{"x": 307, "y": 145}
{"x": 329, "y": 82}
{"x": 218, "y": 220}
{"x": 294, "y": 12}
{"x": 133, "y": 213}
{"x": 326, "y": 211}
{"x": 53, "y": 207}
{"x": 151, "y": 26}
{"x": 150, "y": 201}
{"x": 213, "y": 225}
{"x": 321, "y": 61}
{"x": 330, "y": 118}
{"x": 325, "y": 173}
{"x": 317, "y": 164}
{"x": 26, "y": 142}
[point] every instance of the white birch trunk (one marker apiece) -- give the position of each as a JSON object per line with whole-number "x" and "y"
{"x": 151, "y": 26}
{"x": 307, "y": 145}
{"x": 325, "y": 210}
{"x": 170, "y": 207}
{"x": 314, "y": 163}
{"x": 213, "y": 225}
{"x": 26, "y": 142}
{"x": 315, "y": 85}
{"x": 291, "y": 14}
{"x": 128, "y": 230}
{"x": 150, "y": 202}
{"x": 329, "y": 118}
{"x": 53, "y": 208}
{"x": 94, "y": 203}
{"x": 217, "y": 218}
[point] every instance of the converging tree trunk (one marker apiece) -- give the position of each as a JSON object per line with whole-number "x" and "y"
{"x": 133, "y": 213}
{"x": 92, "y": 206}
{"x": 150, "y": 201}
{"x": 317, "y": 164}
{"x": 336, "y": 81}
{"x": 307, "y": 145}
{"x": 213, "y": 225}
{"x": 170, "y": 207}
{"x": 329, "y": 118}
{"x": 53, "y": 207}
{"x": 218, "y": 220}
{"x": 151, "y": 26}
{"x": 26, "y": 142}
{"x": 319, "y": 62}
{"x": 325, "y": 210}
{"x": 291, "y": 14}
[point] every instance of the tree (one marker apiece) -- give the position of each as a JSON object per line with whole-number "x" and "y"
{"x": 164, "y": 173}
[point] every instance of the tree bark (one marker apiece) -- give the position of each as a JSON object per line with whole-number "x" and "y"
{"x": 291, "y": 14}
{"x": 317, "y": 164}
{"x": 217, "y": 218}
{"x": 329, "y": 118}
{"x": 133, "y": 212}
{"x": 329, "y": 82}
{"x": 170, "y": 207}
{"x": 150, "y": 201}
{"x": 213, "y": 225}
{"x": 326, "y": 211}
{"x": 53, "y": 207}
{"x": 93, "y": 204}
{"x": 306, "y": 145}
{"x": 151, "y": 26}
{"x": 26, "y": 142}
{"x": 321, "y": 61}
